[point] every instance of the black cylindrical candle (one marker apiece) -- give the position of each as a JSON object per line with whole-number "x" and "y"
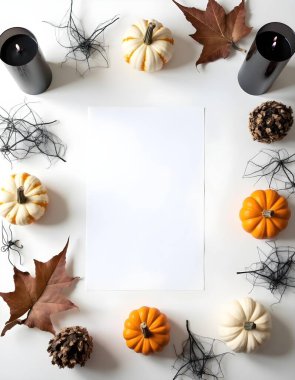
{"x": 271, "y": 50}
{"x": 22, "y": 56}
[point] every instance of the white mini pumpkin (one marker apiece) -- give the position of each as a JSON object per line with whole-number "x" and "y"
{"x": 148, "y": 45}
{"x": 245, "y": 325}
{"x": 23, "y": 199}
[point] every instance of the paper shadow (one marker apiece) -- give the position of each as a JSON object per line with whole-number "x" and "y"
{"x": 280, "y": 342}
{"x": 57, "y": 211}
{"x": 62, "y": 75}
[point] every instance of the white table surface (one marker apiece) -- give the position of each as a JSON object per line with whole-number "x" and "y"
{"x": 228, "y": 147}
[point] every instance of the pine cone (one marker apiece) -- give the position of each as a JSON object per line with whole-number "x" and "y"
{"x": 270, "y": 121}
{"x": 73, "y": 345}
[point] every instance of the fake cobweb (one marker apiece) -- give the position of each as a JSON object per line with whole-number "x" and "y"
{"x": 24, "y": 134}
{"x": 274, "y": 271}
{"x": 198, "y": 359}
{"x": 276, "y": 167}
{"x": 86, "y": 50}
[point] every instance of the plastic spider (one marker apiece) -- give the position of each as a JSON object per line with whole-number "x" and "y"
{"x": 9, "y": 245}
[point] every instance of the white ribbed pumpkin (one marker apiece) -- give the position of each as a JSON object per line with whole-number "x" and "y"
{"x": 245, "y": 325}
{"x": 148, "y": 45}
{"x": 23, "y": 199}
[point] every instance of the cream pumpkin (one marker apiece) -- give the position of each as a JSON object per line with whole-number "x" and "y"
{"x": 148, "y": 45}
{"x": 23, "y": 199}
{"x": 245, "y": 325}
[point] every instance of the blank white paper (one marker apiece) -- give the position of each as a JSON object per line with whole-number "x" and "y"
{"x": 145, "y": 199}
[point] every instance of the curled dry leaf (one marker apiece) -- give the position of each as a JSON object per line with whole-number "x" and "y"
{"x": 216, "y": 30}
{"x": 39, "y": 296}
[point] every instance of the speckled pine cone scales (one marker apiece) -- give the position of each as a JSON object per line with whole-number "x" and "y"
{"x": 73, "y": 345}
{"x": 270, "y": 121}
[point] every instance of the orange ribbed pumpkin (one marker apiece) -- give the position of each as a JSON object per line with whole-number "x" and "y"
{"x": 264, "y": 214}
{"x": 147, "y": 330}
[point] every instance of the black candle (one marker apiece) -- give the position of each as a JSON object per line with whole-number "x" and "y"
{"x": 18, "y": 50}
{"x": 23, "y": 58}
{"x": 271, "y": 50}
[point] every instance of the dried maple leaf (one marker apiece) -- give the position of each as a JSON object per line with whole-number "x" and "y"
{"x": 39, "y": 296}
{"x": 216, "y": 30}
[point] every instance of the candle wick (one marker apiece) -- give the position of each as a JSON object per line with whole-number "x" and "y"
{"x": 274, "y": 44}
{"x": 19, "y": 50}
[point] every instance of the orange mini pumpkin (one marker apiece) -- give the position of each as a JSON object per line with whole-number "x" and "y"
{"x": 264, "y": 214}
{"x": 147, "y": 330}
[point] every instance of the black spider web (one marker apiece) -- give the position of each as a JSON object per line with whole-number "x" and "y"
{"x": 274, "y": 271}
{"x": 276, "y": 167}
{"x": 82, "y": 48}
{"x": 197, "y": 359}
{"x": 9, "y": 245}
{"x": 24, "y": 134}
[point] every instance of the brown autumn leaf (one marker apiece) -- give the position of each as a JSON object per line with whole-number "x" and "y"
{"x": 216, "y": 30}
{"x": 39, "y": 296}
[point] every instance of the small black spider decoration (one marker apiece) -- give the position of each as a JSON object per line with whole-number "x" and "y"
{"x": 274, "y": 271}
{"x": 197, "y": 359}
{"x": 276, "y": 166}
{"x": 82, "y": 48}
{"x": 24, "y": 134}
{"x": 10, "y": 245}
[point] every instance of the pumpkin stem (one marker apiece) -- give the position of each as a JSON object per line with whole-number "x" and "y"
{"x": 20, "y": 196}
{"x": 249, "y": 326}
{"x": 145, "y": 330}
{"x": 268, "y": 213}
{"x": 148, "y": 38}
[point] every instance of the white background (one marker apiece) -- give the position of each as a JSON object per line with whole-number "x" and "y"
{"x": 228, "y": 147}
